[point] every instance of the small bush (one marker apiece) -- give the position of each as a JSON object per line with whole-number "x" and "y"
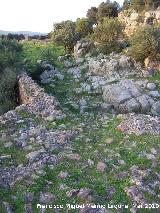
{"x": 10, "y": 53}
{"x": 145, "y": 43}
{"x": 108, "y": 34}
{"x": 10, "y": 64}
{"x": 8, "y": 93}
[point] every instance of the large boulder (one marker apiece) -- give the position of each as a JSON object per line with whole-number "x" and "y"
{"x": 114, "y": 67}
{"x": 134, "y": 16}
{"x": 152, "y": 63}
{"x": 50, "y": 73}
{"x": 129, "y": 96}
{"x": 82, "y": 48}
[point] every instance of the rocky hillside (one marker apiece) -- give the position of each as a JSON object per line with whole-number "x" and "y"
{"x": 89, "y": 134}
{"x": 132, "y": 19}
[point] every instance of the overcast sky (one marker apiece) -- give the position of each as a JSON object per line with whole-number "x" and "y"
{"x": 39, "y": 15}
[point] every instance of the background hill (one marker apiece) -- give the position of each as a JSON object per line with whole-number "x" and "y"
{"x": 30, "y": 33}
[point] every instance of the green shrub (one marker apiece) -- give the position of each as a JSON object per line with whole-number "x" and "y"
{"x": 83, "y": 27}
{"x": 10, "y": 64}
{"x": 108, "y": 34}
{"x": 65, "y": 34}
{"x": 8, "y": 93}
{"x": 10, "y": 53}
{"x": 145, "y": 43}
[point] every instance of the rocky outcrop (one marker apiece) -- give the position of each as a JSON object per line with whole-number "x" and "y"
{"x": 36, "y": 100}
{"x": 82, "y": 48}
{"x": 152, "y": 64}
{"x": 115, "y": 67}
{"x": 132, "y": 19}
{"x": 133, "y": 96}
{"x": 50, "y": 73}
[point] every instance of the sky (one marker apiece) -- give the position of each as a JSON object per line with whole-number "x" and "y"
{"x": 39, "y": 15}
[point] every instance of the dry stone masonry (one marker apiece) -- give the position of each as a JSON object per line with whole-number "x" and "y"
{"x": 27, "y": 129}
{"x": 36, "y": 100}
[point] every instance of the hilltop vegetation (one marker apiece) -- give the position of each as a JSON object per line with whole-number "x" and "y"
{"x": 140, "y": 5}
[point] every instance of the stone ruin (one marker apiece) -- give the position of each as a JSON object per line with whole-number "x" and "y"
{"x": 36, "y": 100}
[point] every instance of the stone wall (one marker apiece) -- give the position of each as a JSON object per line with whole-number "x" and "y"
{"x": 36, "y": 100}
{"x": 27, "y": 130}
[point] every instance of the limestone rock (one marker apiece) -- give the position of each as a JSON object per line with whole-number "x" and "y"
{"x": 74, "y": 156}
{"x": 154, "y": 94}
{"x": 82, "y": 48}
{"x": 47, "y": 197}
{"x": 156, "y": 108}
{"x": 72, "y": 193}
{"x": 101, "y": 167}
{"x": 63, "y": 175}
{"x": 132, "y": 20}
{"x": 130, "y": 96}
{"x": 33, "y": 155}
{"x": 114, "y": 67}
{"x": 83, "y": 193}
{"x": 151, "y": 86}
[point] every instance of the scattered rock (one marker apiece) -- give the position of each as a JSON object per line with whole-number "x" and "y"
{"x": 33, "y": 155}
{"x": 9, "y": 208}
{"x": 110, "y": 192}
{"x": 90, "y": 162}
{"x": 121, "y": 162}
{"x": 140, "y": 124}
{"x": 109, "y": 140}
{"x": 74, "y": 156}
{"x": 72, "y": 193}
{"x": 63, "y": 175}
{"x": 122, "y": 175}
{"x": 83, "y": 193}
{"x": 63, "y": 187}
{"x": 47, "y": 197}
{"x": 106, "y": 107}
{"x": 101, "y": 167}
{"x": 151, "y": 86}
